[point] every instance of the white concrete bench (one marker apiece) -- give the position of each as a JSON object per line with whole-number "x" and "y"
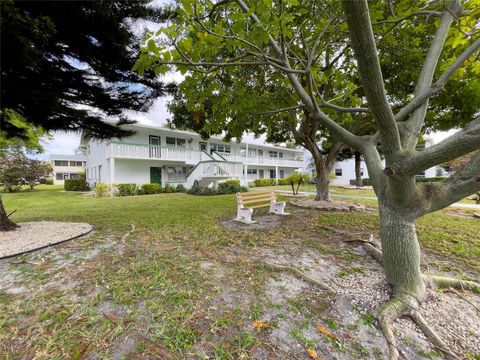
{"x": 247, "y": 201}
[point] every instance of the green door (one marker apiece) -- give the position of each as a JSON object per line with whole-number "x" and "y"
{"x": 155, "y": 175}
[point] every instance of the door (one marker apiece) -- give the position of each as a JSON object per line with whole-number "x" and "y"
{"x": 272, "y": 174}
{"x": 261, "y": 174}
{"x": 155, "y": 150}
{"x": 155, "y": 175}
{"x": 203, "y": 146}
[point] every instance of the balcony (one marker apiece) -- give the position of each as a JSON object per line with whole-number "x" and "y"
{"x": 124, "y": 150}
{"x": 264, "y": 160}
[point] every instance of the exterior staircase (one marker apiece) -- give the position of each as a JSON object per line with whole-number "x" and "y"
{"x": 217, "y": 168}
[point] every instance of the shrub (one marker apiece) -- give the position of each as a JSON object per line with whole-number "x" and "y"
{"x": 223, "y": 188}
{"x": 148, "y": 189}
{"x": 230, "y": 187}
{"x": 75, "y": 185}
{"x": 365, "y": 182}
{"x": 297, "y": 178}
{"x": 265, "y": 182}
{"x": 181, "y": 188}
{"x": 283, "y": 181}
{"x": 126, "y": 189}
{"x": 168, "y": 188}
{"x": 102, "y": 190}
{"x": 46, "y": 181}
{"x": 233, "y": 182}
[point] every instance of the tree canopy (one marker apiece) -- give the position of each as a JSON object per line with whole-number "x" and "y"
{"x": 66, "y": 65}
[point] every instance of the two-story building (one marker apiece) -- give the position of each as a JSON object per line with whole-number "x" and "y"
{"x": 164, "y": 156}
{"x": 66, "y": 167}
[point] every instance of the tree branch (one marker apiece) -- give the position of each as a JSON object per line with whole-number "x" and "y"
{"x": 458, "y": 186}
{"x": 344, "y": 109}
{"x": 425, "y": 79}
{"x": 363, "y": 44}
{"x": 278, "y": 110}
{"x": 439, "y": 84}
{"x": 460, "y": 143}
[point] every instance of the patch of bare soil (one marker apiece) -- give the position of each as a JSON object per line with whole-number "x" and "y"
{"x": 463, "y": 214}
{"x": 329, "y": 205}
{"x": 349, "y": 314}
{"x": 263, "y": 221}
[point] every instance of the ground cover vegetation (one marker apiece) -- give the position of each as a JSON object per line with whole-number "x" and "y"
{"x": 163, "y": 276}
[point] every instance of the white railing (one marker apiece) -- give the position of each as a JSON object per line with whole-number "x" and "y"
{"x": 139, "y": 151}
{"x": 263, "y": 160}
{"x": 214, "y": 170}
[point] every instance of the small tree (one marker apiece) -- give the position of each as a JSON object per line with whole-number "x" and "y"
{"x": 12, "y": 171}
{"x": 36, "y": 170}
{"x": 297, "y": 178}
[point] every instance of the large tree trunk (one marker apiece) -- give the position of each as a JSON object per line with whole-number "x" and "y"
{"x": 358, "y": 169}
{"x": 322, "y": 183}
{"x": 5, "y": 223}
{"x": 401, "y": 252}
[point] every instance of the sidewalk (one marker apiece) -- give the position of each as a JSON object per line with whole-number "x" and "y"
{"x": 346, "y": 196}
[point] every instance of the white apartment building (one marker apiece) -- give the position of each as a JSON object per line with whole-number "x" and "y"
{"x": 66, "y": 167}
{"x": 164, "y": 156}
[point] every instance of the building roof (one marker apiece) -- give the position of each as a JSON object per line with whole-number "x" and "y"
{"x": 76, "y": 157}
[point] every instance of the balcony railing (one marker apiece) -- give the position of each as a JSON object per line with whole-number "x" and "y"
{"x": 154, "y": 152}
{"x": 264, "y": 160}
{"x": 126, "y": 150}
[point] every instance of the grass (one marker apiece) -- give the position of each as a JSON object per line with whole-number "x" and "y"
{"x": 181, "y": 283}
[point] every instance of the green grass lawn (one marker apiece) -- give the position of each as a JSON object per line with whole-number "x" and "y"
{"x": 182, "y": 285}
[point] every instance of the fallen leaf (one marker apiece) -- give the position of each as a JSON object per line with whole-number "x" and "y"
{"x": 325, "y": 331}
{"x": 110, "y": 316}
{"x": 260, "y": 324}
{"x": 313, "y": 354}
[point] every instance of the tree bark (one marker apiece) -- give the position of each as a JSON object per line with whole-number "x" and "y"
{"x": 5, "y": 223}
{"x": 401, "y": 251}
{"x": 358, "y": 170}
{"x": 322, "y": 183}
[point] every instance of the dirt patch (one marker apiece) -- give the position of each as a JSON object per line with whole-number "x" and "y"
{"x": 329, "y": 205}
{"x": 263, "y": 222}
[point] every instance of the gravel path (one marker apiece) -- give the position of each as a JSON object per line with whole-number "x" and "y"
{"x": 36, "y": 235}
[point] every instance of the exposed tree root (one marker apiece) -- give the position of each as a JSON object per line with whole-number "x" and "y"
{"x": 431, "y": 335}
{"x": 301, "y": 275}
{"x": 374, "y": 252}
{"x": 124, "y": 237}
{"x": 390, "y": 311}
{"x": 443, "y": 282}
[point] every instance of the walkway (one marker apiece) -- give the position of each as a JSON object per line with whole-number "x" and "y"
{"x": 347, "y": 196}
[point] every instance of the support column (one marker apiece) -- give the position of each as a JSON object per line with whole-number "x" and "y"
{"x": 276, "y": 172}
{"x": 245, "y": 175}
{"x": 112, "y": 174}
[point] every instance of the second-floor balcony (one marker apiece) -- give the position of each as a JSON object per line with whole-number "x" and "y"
{"x": 126, "y": 150}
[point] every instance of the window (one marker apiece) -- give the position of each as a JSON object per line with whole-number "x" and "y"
{"x": 260, "y": 152}
{"x": 61, "y": 163}
{"x": 176, "y": 142}
{"x": 272, "y": 173}
{"x": 252, "y": 152}
{"x": 243, "y": 151}
{"x": 280, "y": 155}
{"x": 220, "y": 148}
{"x": 181, "y": 142}
{"x": 261, "y": 174}
{"x": 361, "y": 171}
{"x": 338, "y": 172}
{"x": 252, "y": 171}
{"x": 282, "y": 174}
{"x": 272, "y": 154}
{"x": 74, "y": 176}
{"x": 59, "y": 176}
{"x": 76, "y": 163}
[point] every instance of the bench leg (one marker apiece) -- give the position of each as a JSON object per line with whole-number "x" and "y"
{"x": 245, "y": 216}
{"x": 277, "y": 208}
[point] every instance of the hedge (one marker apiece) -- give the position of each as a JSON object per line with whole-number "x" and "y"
{"x": 265, "y": 182}
{"x": 75, "y": 185}
{"x": 223, "y": 189}
{"x": 148, "y": 189}
{"x": 365, "y": 182}
{"x": 126, "y": 189}
{"x": 283, "y": 181}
